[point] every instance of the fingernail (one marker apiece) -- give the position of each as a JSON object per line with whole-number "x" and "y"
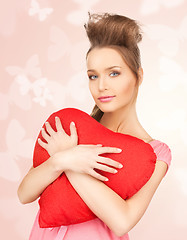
{"x": 120, "y": 165}
{"x": 73, "y": 123}
{"x": 119, "y": 150}
{"x": 106, "y": 179}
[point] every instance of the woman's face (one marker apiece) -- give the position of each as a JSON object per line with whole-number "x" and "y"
{"x": 109, "y": 75}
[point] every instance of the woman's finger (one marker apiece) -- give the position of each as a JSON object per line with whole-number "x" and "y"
{"x": 97, "y": 175}
{"x": 73, "y": 131}
{"x": 110, "y": 150}
{"x": 42, "y": 144}
{"x": 90, "y": 145}
{"x": 45, "y": 135}
{"x": 109, "y": 162}
{"x": 59, "y": 125}
{"x": 49, "y": 128}
{"x": 105, "y": 168}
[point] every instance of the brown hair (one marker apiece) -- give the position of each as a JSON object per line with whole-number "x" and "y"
{"x": 120, "y": 33}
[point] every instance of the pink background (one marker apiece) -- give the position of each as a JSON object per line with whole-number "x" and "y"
{"x": 43, "y": 69}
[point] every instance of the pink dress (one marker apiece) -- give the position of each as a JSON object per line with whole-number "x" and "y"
{"x": 94, "y": 229}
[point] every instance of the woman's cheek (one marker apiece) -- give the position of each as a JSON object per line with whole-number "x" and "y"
{"x": 93, "y": 93}
{"x": 126, "y": 87}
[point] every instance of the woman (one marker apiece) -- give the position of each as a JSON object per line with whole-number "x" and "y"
{"x": 115, "y": 74}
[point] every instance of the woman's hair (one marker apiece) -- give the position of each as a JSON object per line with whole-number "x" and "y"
{"x": 120, "y": 33}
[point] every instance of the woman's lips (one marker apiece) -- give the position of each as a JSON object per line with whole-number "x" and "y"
{"x": 106, "y": 99}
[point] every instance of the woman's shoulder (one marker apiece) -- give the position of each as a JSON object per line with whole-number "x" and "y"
{"x": 162, "y": 151}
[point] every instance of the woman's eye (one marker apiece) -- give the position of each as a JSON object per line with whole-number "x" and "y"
{"x": 90, "y": 77}
{"x": 115, "y": 73}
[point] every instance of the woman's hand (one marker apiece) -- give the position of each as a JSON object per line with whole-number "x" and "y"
{"x": 58, "y": 141}
{"x": 84, "y": 158}
{"x": 78, "y": 158}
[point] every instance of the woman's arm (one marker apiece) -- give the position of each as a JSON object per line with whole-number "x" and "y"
{"x": 38, "y": 178}
{"x": 118, "y": 214}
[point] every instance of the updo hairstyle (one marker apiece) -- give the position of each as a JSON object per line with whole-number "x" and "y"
{"x": 117, "y": 32}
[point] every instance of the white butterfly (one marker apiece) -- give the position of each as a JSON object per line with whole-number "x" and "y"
{"x": 61, "y": 47}
{"x": 41, "y": 92}
{"x": 59, "y": 93}
{"x": 60, "y": 44}
{"x": 13, "y": 97}
{"x": 42, "y": 13}
{"x": 45, "y": 95}
{"x": 31, "y": 68}
{"x": 17, "y": 148}
{"x": 77, "y": 17}
{"x": 168, "y": 38}
{"x": 26, "y": 85}
{"x": 151, "y": 6}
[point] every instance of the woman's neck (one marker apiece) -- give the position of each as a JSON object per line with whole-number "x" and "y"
{"x": 125, "y": 121}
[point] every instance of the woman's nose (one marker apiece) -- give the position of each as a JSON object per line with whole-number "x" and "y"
{"x": 102, "y": 84}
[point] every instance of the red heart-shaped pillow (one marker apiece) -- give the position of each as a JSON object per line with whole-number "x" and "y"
{"x": 59, "y": 203}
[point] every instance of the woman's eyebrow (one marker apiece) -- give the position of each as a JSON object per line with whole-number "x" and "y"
{"x": 92, "y": 70}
